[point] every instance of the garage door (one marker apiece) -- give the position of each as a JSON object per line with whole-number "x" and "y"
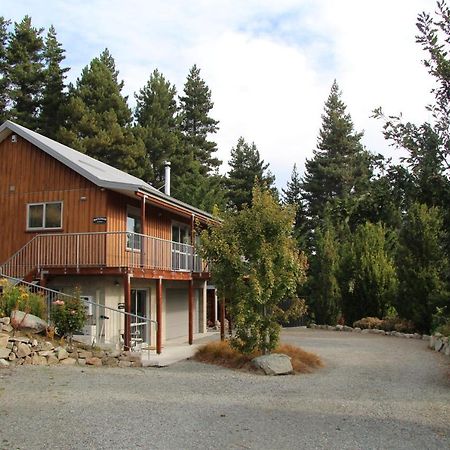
{"x": 176, "y": 313}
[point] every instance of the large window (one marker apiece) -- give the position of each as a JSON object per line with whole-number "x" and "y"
{"x": 44, "y": 216}
{"x": 181, "y": 249}
{"x": 133, "y": 226}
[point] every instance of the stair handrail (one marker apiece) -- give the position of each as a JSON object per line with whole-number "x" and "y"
{"x": 17, "y": 253}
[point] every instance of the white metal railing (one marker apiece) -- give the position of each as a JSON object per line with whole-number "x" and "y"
{"x": 101, "y": 249}
{"x": 104, "y": 325}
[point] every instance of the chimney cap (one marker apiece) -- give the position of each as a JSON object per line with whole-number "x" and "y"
{"x": 167, "y": 163}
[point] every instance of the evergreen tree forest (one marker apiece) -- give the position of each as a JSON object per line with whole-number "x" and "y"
{"x": 375, "y": 233}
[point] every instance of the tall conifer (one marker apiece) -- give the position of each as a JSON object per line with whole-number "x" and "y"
{"x": 196, "y": 123}
{"x": 246, "y": 169}
{"x": 53, "y": 95}
{"x": 340, "y": 168}
{"x": 4, "y": 81}
{"x": 156, "y": 114}
{"x": 98, "y": 120}
{"x": 26, "y": 73}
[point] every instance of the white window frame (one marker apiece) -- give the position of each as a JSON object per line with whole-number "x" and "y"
{"x": 44, "y": 204}
{"x": 134, "y": 212}
{"x": 181, "y": 225}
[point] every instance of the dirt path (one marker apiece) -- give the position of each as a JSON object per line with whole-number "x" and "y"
{"x": 376, "y": 392}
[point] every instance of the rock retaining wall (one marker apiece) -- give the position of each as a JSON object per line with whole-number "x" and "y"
{"x": 15, "y": 351}
{"x": 437, "y": 342}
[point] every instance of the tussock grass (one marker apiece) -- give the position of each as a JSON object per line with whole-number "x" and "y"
{"x": 221, "y": 354}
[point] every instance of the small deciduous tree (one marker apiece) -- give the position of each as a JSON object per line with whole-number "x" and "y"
{"x": 255, "y": 265}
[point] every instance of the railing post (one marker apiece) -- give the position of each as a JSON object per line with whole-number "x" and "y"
{"x": 78, "y": 252}
{"x": 159, "y": 315}
{"x": 127, "y": 298}
{"x": 38, "y": 254}
{"x": 191, "y": 311}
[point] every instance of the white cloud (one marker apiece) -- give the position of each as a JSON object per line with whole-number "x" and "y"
{"x": 269, "y": 64}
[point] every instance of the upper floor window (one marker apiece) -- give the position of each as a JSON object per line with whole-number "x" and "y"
{"x": 134, "y": 225}
{"x": 44, "y": 216}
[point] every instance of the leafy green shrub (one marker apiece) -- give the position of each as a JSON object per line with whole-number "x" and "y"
{"x": 20, "y": 298}
{"x": 68, "y": 316}
{"x": 368, "y": 323}
{"x": 386, "y": 324}
{"x": 397, "y": 324}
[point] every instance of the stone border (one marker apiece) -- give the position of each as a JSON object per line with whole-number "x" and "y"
{"x": 17, "y": 351}
{"x": 437, "y": 342}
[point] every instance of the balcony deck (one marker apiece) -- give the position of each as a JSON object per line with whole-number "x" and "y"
{"x": 104, "y": 252}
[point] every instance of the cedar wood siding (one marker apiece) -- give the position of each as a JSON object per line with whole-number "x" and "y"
{"x": 37, "y": 177}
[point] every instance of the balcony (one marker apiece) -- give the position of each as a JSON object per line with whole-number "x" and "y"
{"x": 102, "y": 250}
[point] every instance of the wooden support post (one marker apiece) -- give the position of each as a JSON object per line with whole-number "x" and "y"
{"x": 222, "y": 319}
{"x": 143, "y": 231}
{"x": 159, "y": 315}
{"x": 193, "y": 242}
{"x": 127, "y": 298}
{"x": 191, "y": 311}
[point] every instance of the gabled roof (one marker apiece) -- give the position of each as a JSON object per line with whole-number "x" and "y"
{"x": 99, "y": 173}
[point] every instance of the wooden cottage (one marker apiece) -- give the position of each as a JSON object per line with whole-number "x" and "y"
{"x": 69, "y": 220}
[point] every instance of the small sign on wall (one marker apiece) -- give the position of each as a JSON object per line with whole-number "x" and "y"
{"x": 99, "y": 220}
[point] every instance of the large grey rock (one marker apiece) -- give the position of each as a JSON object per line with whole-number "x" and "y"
{"x": 47, "y": 346}
{"x": 4, "y": 352}
{"x": 61, "y": 353}
{"x": 4, "y": 338}
{"x": 275, "y": 364}
{"x": 3, "y": 363}
{"x": 29, "y": 322}
{"x": 94, "y": 361}
{"x": 68, "y": 362}
{"x": 438, "y": 345}
{"x": 23, "y": 350}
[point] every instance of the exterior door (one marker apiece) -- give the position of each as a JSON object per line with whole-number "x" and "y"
{"x": 139, "y": 306}
{"x": 176, "y": 313}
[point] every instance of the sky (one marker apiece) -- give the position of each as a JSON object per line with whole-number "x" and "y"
{"x": 269, "y": 64}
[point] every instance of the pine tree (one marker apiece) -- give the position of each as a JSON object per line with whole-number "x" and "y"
{"x": 98, "y": 120}
{"x": 292, "y": 195}
{"x": 204, "y": 192}
{"x": 53, "y": 96}
{"x": 195, "y": 123}
{"x": 25, "y": 56}
{"x": 246, "y": 169}
{"x": 4, "y": 81}
{"x": 156, "y": 113}
{"x": 341, "y": 168}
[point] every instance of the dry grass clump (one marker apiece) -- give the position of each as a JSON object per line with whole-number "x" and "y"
{"x": 302, "y": 361}
{"x": 221, "y": 354}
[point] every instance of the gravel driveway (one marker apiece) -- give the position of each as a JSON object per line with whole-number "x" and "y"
{"x": 376, "y": 392}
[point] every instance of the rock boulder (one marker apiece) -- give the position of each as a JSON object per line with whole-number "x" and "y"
{"x": 28, "y": 322}
{"x": 275, "y": 364}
